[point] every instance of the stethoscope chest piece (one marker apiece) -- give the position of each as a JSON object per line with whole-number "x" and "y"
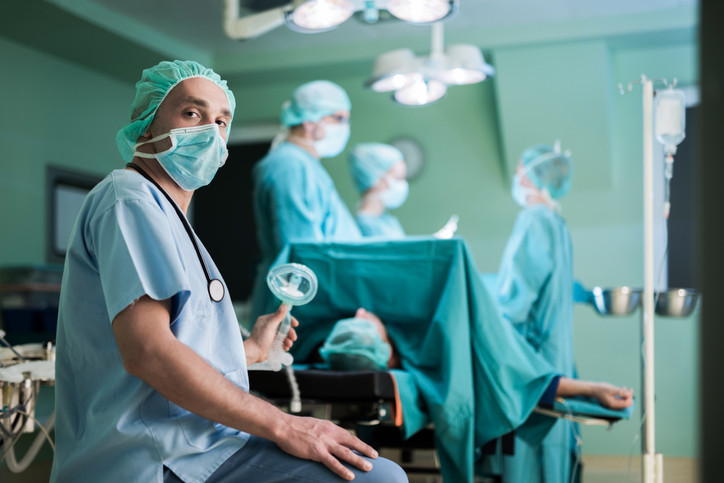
{"x": 216, "y": 290}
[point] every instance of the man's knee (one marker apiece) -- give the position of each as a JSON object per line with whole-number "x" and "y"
{"x": 383, "y": 471}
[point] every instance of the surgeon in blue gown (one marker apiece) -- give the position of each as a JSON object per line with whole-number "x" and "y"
{"x": 534, "y": 292}
{"x": 379, "y": 171}
{"x": 294, "y": 197}
{"x": 151, "y": 368}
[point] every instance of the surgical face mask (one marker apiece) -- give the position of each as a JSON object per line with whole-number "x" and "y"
{"x": 520, "y": 193}
{"x": 334, "y": 141}
{"x": 395, "y": 194}
{"x": 196, "y": 153}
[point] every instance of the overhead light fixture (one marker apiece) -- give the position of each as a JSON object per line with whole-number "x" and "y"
{"x": 393, "y": 70}
{"x": 465, "y": 64}
{"x": 420, "y": 92}
{"x": 420, "y": 11}
{"x": 418, "y": 81}
{"x": 311, "y": 16}
{"x": 318, "y": 15}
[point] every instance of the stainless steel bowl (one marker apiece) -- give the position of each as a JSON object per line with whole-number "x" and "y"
{"x": 616, "y": 301}
{"x": 676, "y": 302}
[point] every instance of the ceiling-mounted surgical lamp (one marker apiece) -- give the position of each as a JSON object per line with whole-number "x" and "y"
{"x": 420, "y": 11}
{"x": 420, "y": 92}
{"x": 417, "y": 81}
{"x": 311, "y": 16}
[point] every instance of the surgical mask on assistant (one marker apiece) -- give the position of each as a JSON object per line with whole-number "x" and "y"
{"x": 334, "y": 140}
{"x": 395, "y": 194}
{"x": 519, "y": 192}
{"x": 196, "y": 153}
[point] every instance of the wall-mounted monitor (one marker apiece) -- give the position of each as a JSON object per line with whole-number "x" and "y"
{"x": 65, "y": 191}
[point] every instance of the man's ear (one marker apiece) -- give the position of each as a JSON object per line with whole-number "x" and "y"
{"x": 313, "y": 130}
{"x": 145, "y": 136}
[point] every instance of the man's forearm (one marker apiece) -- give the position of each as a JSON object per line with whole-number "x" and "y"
{"x": 185, "y": 379}
{"x": 152, "y": 353}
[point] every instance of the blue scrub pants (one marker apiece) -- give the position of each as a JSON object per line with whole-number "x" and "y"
{"x": 261, "y": 460}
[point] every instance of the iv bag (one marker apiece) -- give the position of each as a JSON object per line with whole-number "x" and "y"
{"x": 670, "y": 118}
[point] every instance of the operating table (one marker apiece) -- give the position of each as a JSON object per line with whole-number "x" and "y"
{"x": 465, "y": 372}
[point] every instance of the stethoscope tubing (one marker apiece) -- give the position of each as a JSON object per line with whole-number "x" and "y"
{"x": 214, "y": 285}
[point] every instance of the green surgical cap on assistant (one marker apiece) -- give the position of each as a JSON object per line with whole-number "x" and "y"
{"x": 314, "y": 100}
{"x": 155, "y": 84}
{"x": 548, "y": 169}
{"x": 368, "y": 163}
{"x": 355, "y": 345}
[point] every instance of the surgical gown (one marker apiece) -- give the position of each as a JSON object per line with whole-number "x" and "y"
{"x": 111, "y": 426}
{"x": 534, "y": 293}
{"x": 295, "y": 200}
{"x": 384, "y": 225}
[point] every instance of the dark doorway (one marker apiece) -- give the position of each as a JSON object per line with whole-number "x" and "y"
{"x": 682, "y": 224}
{"x": 223, "y": 218}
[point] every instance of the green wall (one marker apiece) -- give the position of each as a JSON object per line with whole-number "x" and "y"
{"x": 557, "y": 84}
{"x": 54, "y": 113}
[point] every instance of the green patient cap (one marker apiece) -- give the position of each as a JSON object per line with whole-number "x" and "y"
{"x": 355, "y": 345}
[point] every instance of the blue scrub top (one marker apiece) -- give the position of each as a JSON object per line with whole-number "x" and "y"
{"x": 129, "y": 242}
{"x": 384, "y": 225}
{"x": 534, "y": 284}
{"x": 295, "y": 200}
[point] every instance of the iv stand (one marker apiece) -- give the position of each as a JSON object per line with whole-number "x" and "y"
{"x": 652, "y": 462}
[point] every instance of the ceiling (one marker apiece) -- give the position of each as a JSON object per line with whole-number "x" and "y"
{"x": 150, "y": 30}
{"x": 199, "y": 23}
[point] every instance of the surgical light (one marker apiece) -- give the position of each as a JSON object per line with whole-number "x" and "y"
{"x": 420, "y": 92}
{"x": 465, "y": 65}
{"x": 318, "y": 15}
{"x": 420, "y": 11}
{"x": 393, "y": 70}
{"x": 417, "y": 81}
{"x": 310, "y": 16}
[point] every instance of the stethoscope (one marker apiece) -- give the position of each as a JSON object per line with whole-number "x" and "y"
{"x": 216, "y": 288}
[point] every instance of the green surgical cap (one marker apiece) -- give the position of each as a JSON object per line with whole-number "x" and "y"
{"x": 355, "y": 345}
{"x": 368, "y": 163}
{"x": 155, "y": 84}
{"x": 548, "y": 168}
{"x": 314, "y": 100}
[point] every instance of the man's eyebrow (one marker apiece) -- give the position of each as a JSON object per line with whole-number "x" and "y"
{"x": 195, "y": 100}
{"x": 202, "y": 103}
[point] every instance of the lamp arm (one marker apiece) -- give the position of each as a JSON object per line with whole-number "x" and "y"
{"x": 437, "y": 47}
{"x": 251, "y": 25}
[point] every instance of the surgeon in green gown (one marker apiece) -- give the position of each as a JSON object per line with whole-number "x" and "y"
{"x": 294, "y": 197}
{"x": 379, "y": 173}
{"x": 534, "y": 294}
